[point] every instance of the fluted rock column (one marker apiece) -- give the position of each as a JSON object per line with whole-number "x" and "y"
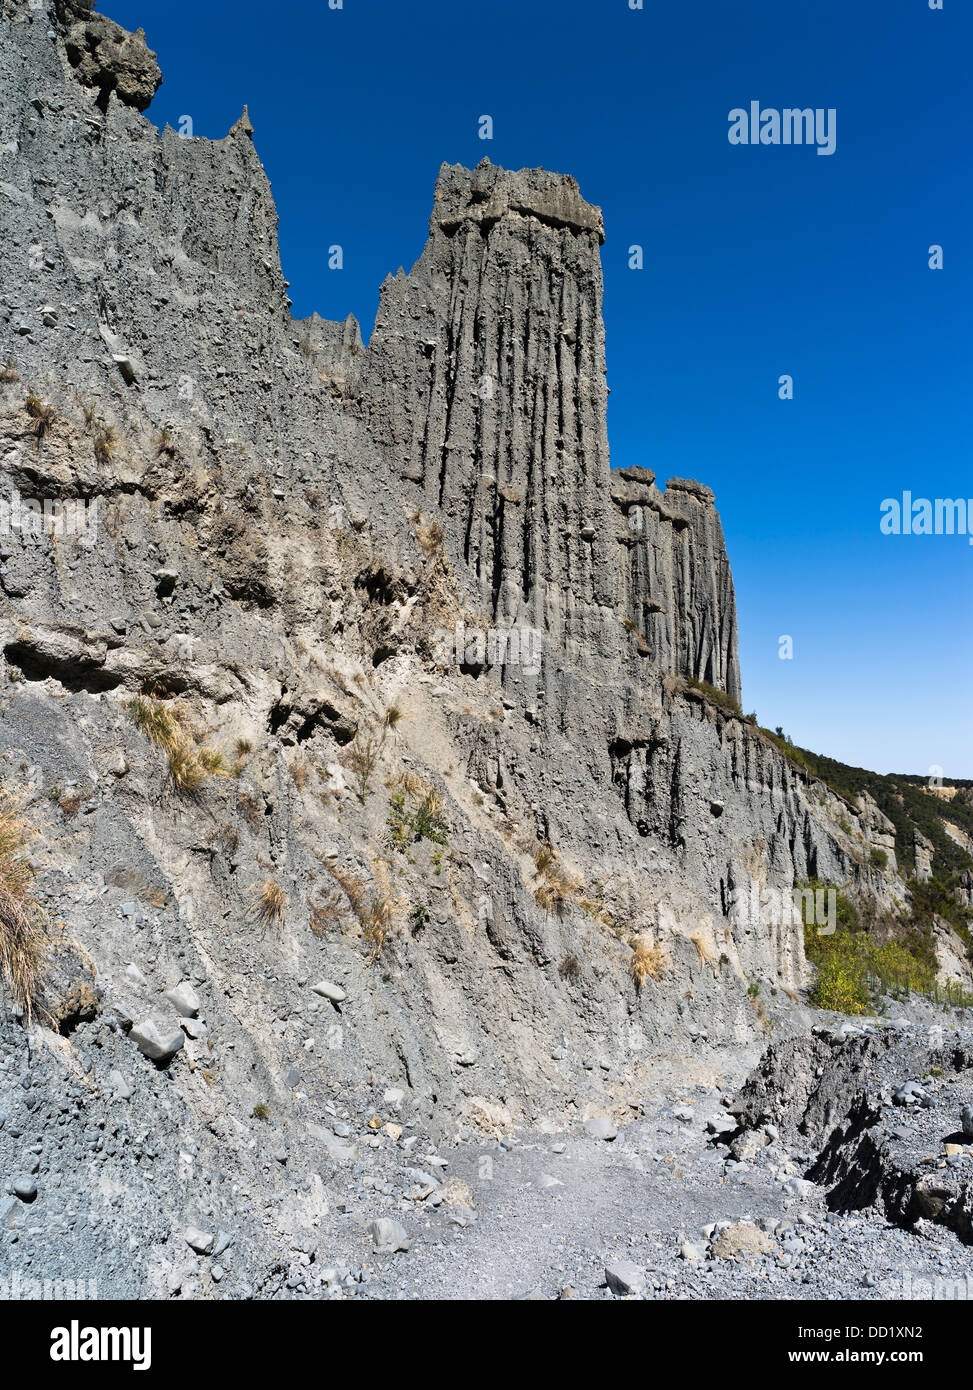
{"x": 485, "y": 380}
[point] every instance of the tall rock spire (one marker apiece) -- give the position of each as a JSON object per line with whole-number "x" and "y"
{"x": 486, "y": 378}
{"x": 485, "y": 382}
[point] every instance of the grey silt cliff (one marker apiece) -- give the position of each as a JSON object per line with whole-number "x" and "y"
{"x": 257, "y": 558}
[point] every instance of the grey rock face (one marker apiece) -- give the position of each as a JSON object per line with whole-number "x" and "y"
{"x": 675, "y": 585}
{"x": 841, "y": 1098}
{"x": 804, "y": 1086}
{"x": 485, "y": 381}
{"x": 288, "y": 523}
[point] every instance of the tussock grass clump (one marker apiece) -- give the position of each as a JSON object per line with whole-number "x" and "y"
{"x": 300, "y": 773}
{"x": 647, "y": 962}
{"x": 377, "y": 923}
{"x": 42, "y": 415}
{"x": 558, "y": 887}
{"x": 24, "y": 940}
{"x": 324, "y": 914}
{"x": 159, "y": 723}
{"x": 213, "y": 762}
{"x": 165, "y": 444}
{"x": 544, "y": 857}
{"x": 552, "y": 896}
{"x": 393, "y": 716}
{"x": 106, "y": 444}
{"x": 185, "y": 769}
{"x": 429, "y": 534}
{"x": 271, "y": 901}
{"x": 570, "y": 968}
{"x": 351, "y": 888}
{"x": 704, "y": 948}
{"x": 252, "y": 808}
{"x": 167, "y": 726}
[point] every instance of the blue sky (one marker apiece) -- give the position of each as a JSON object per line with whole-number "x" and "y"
{"x": 758, "y": 261}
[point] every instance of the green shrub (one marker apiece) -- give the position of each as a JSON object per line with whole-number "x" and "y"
{"x": 840, "y": 983}
{"x": 416, "y": 812}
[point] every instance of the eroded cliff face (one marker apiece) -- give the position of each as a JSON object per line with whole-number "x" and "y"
{"x": 360, "y": 581}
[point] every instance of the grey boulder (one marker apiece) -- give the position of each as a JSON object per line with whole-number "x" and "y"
{"x": 388, "y": 1235}
{"x": 156, "y": 1040}
{"x": 183, "y": 999}
{"x": 624, "y": 1278}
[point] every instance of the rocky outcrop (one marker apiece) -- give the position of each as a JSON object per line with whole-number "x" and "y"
{"x": 879, "y": 1135}
{"x": 485, "y": 382}
{"x": 108, "y": 58}
{"x": 675, "y": 585}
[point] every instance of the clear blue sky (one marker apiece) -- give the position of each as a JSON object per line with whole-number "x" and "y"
{"x": 758, "y": 262}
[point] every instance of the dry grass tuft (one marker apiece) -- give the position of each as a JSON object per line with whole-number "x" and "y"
{"x": 559, "y": 888}
{"x": 213, "y": 762}
{"x": 324, "y": 914}
{"x": 393, "y": 716}
{"x": 704, "y": 949}
{"x": 543, "y": 858}
{"x": 351, "y": 888}
{"x": 185, "y": 769}
{"x": 159, "y": 723}
{"x": 378, "y": 923}
{"x": 429, "y": 534}
{"x": 362, "y": 759}
{"x": 647, "y": 962}
{"x": 252, "y": 808}
{"x": 167, "y": 726}
{"x": 271, "y": 901}
{"x": 106, "y": 444}
{"x": 165, "y": 444}
{"x": 41, "y": 413}
{"x": 570, "y": 968}
{"x": 24, "y": 941}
